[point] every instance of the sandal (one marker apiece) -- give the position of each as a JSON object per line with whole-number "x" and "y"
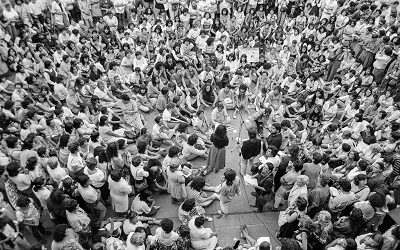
{"x": 220, "y": 214}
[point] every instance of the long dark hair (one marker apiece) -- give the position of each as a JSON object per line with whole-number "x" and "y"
{"x": 112, "y": 150}
{"x": 220, "y": 132}
{"x": 220, "y": 137}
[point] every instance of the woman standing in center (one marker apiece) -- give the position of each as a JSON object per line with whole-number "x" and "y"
{"x": 216, "y": 156}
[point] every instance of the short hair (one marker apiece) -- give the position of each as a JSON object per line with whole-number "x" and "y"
{"x": 73, "y": 147}
{"x": 198, "y": 183}
{"x": 144, "y": 195}
{"x": 167, "y": 225}
{"x": 59, "y": 232}
{"x": 188, "y": 204}
{"x": 345, "y": 185}
{"x": 301, "y": 203}
{"x": 286, "y": 123}
{"x": 11, "y": 141}
{"x": 71, "y": 205}
{"x": 115, "y": 175}
{"x": 173, "y": 151}
{"x": 23, "y": 201}
{"x": 277, "y": 126}
{"x": 363, "y": 164}
{"x": 157, "y": 119}
{"x": 199, "y": 221}
{"x": 192, "y": 139}
{"x": 82, "y": 179}
{"x": 297, "y": 166}
{"x": 136, "y": 161}
{"x": 317, "y": 157}
{"x": 264, "y": 246}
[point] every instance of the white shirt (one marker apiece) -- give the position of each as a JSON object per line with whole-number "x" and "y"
{"x": 141, "y": 63}
{"x": 97, "y": 178}
{"x": 166, "y": 115}
{"x": 35, "y": 8}
{"x": 57, "y": 174}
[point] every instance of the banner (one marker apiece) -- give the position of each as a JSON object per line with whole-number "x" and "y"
{"x": 253, "y": 54}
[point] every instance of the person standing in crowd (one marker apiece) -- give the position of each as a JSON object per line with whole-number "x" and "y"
{"x": 217, "y": 154}
{"x": 250, "y": 149}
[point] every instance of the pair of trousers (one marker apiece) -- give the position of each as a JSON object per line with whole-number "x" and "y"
{"x": 245, "y": 164}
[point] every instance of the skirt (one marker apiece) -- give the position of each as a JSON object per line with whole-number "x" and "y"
{"x": 216, "y": 158}
{"x": 135, "y": 121}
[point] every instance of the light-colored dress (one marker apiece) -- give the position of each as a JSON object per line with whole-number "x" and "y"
{"x": 176, "y": 184}
{"x": 132, "y": 119}
{"x": 227, "y": 193}
{"x": 201, "y": 237}
{"x": 119, "y": 192}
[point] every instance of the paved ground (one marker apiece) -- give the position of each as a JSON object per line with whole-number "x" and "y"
{"x": 259, "y": 224}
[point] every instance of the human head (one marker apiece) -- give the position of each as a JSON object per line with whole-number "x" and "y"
{"x": 167, "y": 225}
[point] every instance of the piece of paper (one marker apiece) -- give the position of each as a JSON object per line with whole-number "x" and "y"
{"x": 263, "y": 160}
{"x": 186, "y": 171}
{"x": 248, "y": 180}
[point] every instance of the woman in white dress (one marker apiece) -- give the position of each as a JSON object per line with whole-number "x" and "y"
{"x": 202, "y": 238}
{"x": 119, "y": 192}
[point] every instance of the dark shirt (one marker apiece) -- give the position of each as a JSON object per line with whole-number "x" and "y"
{"x": 58, "y": 209}
{"x": 219, "y": 142}
{"x": 265, "y": 182}
{"x": 377, "y": 183}
{"x": 275, "y": 140}
{"x": 251, "y": 148}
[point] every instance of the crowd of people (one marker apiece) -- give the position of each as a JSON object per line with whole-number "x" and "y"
{"x": 318, "y": 81}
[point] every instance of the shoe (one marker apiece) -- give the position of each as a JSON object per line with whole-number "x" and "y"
{"x": 156, "y": 207}
{"x": 254, "y": 193}
{"x": 209, "y": 219}
{"x": 216, "y": 170}
{"x": 43, "y": 241}
{"x": 253, "y": 205}
{"x": 237, "y": 242}
{"x": 234, "y": 116}
{"x": 220, "y": 215}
